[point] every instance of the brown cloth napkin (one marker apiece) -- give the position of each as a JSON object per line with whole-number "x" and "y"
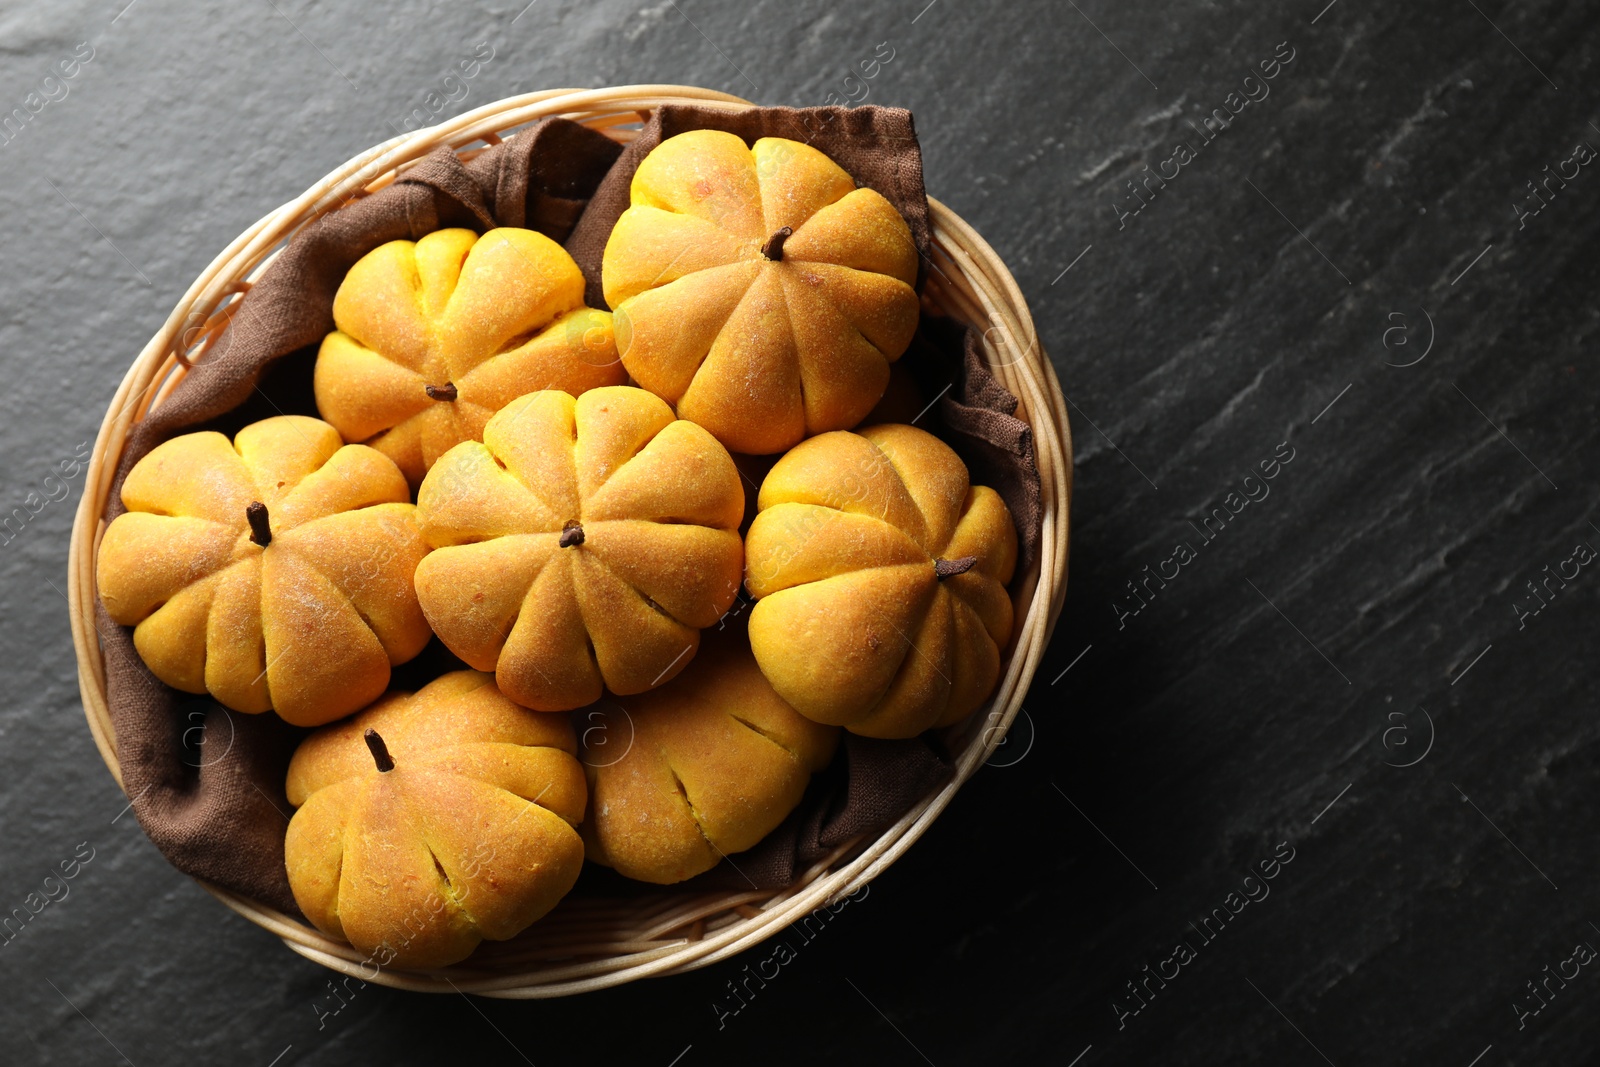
{"x": 208, "y": 783}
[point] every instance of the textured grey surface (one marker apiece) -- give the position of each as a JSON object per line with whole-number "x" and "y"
{"x": 1332, "y": 630}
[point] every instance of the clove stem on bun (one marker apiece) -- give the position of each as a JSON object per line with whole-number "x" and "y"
{"x": 571, "y": 534}
{"x": 944, "y": 568}
{"x": 260, "y": 528}
{"x": 380, "y": 751}
{"x": 773, "y": 249}
{"x": 447, "y": 391}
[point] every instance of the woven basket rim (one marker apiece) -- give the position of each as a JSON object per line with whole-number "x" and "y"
{"x": 597, "y": 942}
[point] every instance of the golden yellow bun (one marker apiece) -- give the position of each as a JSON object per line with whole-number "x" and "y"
{"x": 308, "y": 625}
{"x": 701, "y": 768}
{"x": 581, "y": 546}
{"x": 469, "y": 835}
{"x": 760, "y": 351}
{"x": 854, "y": 624}
{"x": 480, "y": 320}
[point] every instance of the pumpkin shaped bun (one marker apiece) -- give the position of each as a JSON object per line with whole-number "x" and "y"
{"x": 274, "y": 572}
{"x": 880, "y": 576}
{"x": 707, "y": 765}
{"x": 434, "y": 336}
{"x": 757, "y": 289}
{"x": 581, "y": 546}
{"x": 434, "y": 820}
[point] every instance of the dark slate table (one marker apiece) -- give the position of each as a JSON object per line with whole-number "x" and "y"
{"x": 1309, "y": 773}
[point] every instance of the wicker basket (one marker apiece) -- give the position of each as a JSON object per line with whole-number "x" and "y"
{"x": 591, "y": 943}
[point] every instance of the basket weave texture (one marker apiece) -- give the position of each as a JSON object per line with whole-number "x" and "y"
{"x": 594, "y": 942}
